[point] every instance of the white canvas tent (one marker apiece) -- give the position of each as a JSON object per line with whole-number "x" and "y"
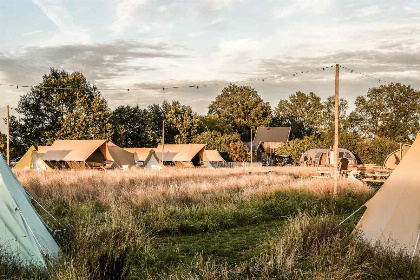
{"x": 23, "y": 234}
{"x": 392, "y": 217}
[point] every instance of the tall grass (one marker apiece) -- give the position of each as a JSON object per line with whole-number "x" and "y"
{"x": 116, "y": 225}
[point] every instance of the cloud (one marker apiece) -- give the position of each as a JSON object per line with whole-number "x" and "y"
{"x": 70, "y": 32}
{"x": 101, "y": 61}
{"x": 125, "y": 11}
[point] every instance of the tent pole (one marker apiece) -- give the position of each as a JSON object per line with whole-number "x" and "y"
{"x": 8, "y": 136}
{"x": 251, "y": 147}
{"x": 336, "y": 112}
{"x": 415, "y": 247}
{"x": 163, "y": 139}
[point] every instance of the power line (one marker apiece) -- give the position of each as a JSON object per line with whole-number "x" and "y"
{"x": 163, "y": 88}
{"x": 363, "y": 74}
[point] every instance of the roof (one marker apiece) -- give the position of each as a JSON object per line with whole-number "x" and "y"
{"x": 120, "y": 156}
{"x": 313, "y": 152}
{"x": 255, "y": 145}
{"x": 140, "y": 153}
{"x": 70, "y": 150}
{"x": 212, "y": 155}
{"x": 272, "y": 134}
{"x": 179, "y": 152}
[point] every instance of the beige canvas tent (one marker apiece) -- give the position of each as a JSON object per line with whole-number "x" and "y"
{"x": 31, "y": 160}
{"x": 146, "y": 157}
{"x": 117, "y": 157}
{"x": 182, "y": 155}
{"x": 392, "y": 217}
{"x": 213, "y": 157}
{"x": 395, "y": 157}
{"x": 82, "y": 154}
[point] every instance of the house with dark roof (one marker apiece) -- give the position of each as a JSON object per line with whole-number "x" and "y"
{"x": 265, "y": 143}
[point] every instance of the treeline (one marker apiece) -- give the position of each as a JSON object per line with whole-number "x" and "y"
{"x": 66, "y": 106}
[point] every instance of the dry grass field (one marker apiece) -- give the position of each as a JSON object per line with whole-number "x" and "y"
{"x": 205, "y": 224}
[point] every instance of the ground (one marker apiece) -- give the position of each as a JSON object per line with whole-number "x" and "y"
{"x": 206, "y": 224}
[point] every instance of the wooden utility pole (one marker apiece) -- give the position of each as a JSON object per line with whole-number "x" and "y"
{"x": 336, "y": 113}
{"x": 163, "y": 139}
{"x": 8, "y": 136}
{"x": 251, "y": 147}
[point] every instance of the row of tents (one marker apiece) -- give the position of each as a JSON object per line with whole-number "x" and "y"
{"x": 392, "y": 218}
{"x": 102, "y": 154}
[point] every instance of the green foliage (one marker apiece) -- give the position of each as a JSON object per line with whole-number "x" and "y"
{"x": 242, "y": 108}
{"x": 296, "y": 147}
{"x": 308, "y": 115}
{"x": 221, "y": 142}
{"x": 133, "y": 127}
{"x": 303, "y": 112}
{"x": 391, "y": 111}
{"x": 62, "y": 105}
{"x": 182, "y": 120}
{"x": 214, "y": 123}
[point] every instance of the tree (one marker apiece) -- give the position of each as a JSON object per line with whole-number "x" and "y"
{"x": 133, "y": 127}
{"x": 213, "y": 122}
{"x": 302, "y": 112}
{"x": 242, "y": 108}
{"x": 388, "y": 111}
{"x": 220, "y": 142}
{"x": 327, "y": 121}
{"x": 62, "y": 105}
{"x": 239, "y": 152}
{"x": 181, "y": 120}
{"x": 297, "y": 147}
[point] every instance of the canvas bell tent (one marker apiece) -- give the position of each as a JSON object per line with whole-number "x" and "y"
{"x": 146, "y": 157}
{"x": 395, "y": 157}
{"x": 213, "y": 158}
{"x": 392, "y": 217}
{"x": 31, "y": 160}
{"x": 23, "y": 234}
{"x": 83, "y": 154}
{"x": 182, "y": 155}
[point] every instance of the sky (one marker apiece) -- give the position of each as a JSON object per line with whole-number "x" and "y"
{"x": 157, "y": 43}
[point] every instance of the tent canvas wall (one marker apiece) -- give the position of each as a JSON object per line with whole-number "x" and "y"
{"x": 395, "y": 157}
{"x": 31, "y": 160}
{"x": 152, "y": 161}
{"x": 23, "y": 234}
{"x": 182, "y": 155}
{"x": 119, "y": 157}
{"x": 393, "y": 215}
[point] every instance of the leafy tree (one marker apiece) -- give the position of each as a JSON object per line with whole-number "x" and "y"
{"x": 133, "y": 127}
{"x": 242, "y": 108}
{"x": 220, "y": 142}
{"x": 388, "y": 111}
{"x": 82, "y": 122}
{"x": 302, "y": 112}
{"x": 327, "y": 121}
{"x": 297, "y": 147}
{"x": 239, "y": 152}
{"x": 62, "y": 105}
{"x": 181, "y": 120}
{"x": 3, "y": 144}
{"x": 213, "y": 122}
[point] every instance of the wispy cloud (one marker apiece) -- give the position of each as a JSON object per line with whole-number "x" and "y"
{"x": 57, "y": 12}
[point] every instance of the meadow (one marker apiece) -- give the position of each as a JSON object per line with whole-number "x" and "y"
{"x": 205, "y": 224}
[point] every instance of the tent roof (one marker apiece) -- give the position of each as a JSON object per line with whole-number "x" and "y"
{"x": 141, "y": 153}
{"x": 393, "y": 214}
{"x": 22, "y": 231}
{"x": 179, "y": 152}
{"x": 71, "y": 150}
{"x": 272, "y": 134}
{"x": 212, "y": 155}
{"x": 27, "y": 161}
{"x": 120, "y": 156}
